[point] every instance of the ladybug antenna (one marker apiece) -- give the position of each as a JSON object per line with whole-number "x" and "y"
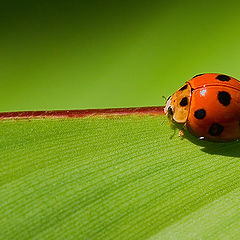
{"x": 164, "y": 98}
{"x": 164, "y": 120}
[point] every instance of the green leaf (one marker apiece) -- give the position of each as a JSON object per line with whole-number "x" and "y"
{"x": 119, "y": 177}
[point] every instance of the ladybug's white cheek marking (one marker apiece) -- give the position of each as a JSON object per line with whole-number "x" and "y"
{"x": 168, "y": 104}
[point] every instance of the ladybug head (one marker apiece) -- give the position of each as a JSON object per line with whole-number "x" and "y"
{"x": 177, "y": 105}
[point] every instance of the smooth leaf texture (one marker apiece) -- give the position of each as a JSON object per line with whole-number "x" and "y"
{"x": 122, "y": 177}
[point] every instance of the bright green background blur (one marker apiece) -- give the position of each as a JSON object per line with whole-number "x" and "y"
{"x": 103, "y": 54}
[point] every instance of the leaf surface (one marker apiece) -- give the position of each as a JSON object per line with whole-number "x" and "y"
{"x": 120, "y": 177}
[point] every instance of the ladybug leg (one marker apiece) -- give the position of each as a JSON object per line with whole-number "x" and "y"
{"x": 173, "y": 127}
{"x": 173, "y": 133}
{"x": 181, "y": 132}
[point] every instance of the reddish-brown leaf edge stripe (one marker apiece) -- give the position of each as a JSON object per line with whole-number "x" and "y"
{"x": 110, "y": 112}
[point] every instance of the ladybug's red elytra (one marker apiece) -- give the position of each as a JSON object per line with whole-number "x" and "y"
{"x": 208, "y": 106}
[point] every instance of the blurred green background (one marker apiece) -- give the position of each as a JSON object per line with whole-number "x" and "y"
{"x": 103, "y": 54}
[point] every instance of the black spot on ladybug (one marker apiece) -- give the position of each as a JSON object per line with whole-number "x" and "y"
{"x": 192, "y": 89}
{"x": 170, "y": 111}
{"x": 184, "y": 102}
{"x": 223, "y": 78}
{"x": 224, "y": 98}
{"x": 200, "y": 114}
{"x": 183, "y": 88}
{"x": 216, "y": 129}
{"x": 198, "y": 75}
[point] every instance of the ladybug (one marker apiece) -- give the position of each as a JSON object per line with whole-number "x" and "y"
{"x": 208, "y": 106}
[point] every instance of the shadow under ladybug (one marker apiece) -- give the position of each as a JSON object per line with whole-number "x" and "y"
{"x": 231, "y": 149}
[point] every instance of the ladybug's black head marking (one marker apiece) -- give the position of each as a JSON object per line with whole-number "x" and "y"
{"x": 184, "y": 102}
{"x": 170, "y": 111}
{"x": 223, "y": 78}
{"x": 200, "y": 114}
{"x": 215, "y": 129}
{"x": 224, "y": 98}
